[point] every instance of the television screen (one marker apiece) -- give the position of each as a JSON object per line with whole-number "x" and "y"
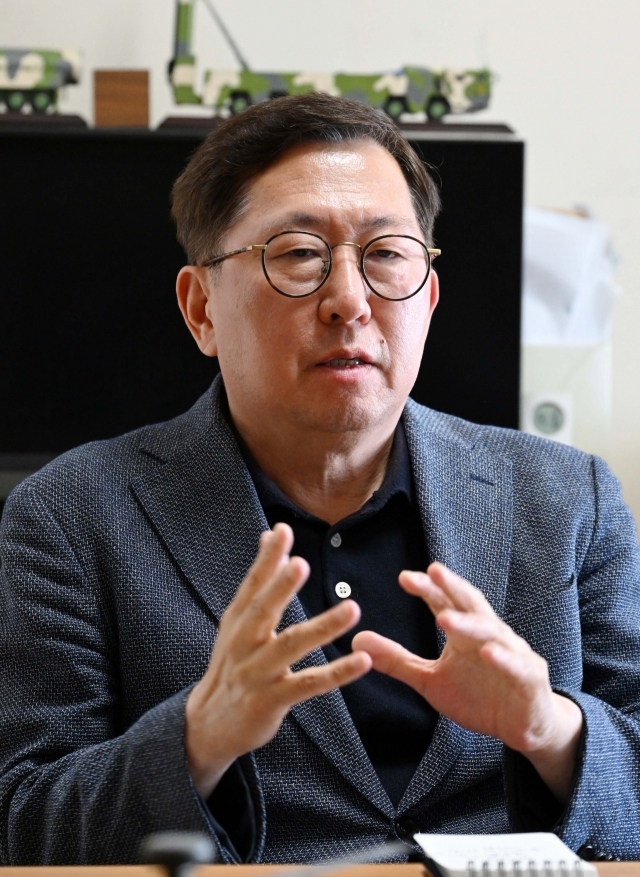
{"x": 91, "y": 340}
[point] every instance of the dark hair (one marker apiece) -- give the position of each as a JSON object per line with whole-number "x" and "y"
{"x": 210, "y": 194}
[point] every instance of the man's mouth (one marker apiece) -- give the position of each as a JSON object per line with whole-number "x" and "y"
{"x": 344, "y": 363}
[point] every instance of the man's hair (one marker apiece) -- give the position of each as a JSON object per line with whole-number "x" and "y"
{"x": 211, "y": 193}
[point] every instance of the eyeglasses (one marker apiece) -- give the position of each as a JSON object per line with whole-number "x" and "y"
{"x": 298, "y": 263}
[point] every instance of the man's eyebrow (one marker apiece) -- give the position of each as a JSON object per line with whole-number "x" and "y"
{"x": 303, "y": 221}
{"x": 388, "y": 221}
{"x": 293, "y": 221}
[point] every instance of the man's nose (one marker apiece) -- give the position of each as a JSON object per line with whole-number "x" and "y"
{"x": 345, "y": 295}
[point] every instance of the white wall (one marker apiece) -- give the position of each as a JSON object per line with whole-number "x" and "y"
{"x": 569, "y": 82}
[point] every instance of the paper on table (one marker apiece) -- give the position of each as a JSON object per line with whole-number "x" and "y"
{"x": 538, "y": 854}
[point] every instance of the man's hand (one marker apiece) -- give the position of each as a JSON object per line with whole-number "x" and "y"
{"x": 248, "y": 688}
{"x": 487, "y": 679}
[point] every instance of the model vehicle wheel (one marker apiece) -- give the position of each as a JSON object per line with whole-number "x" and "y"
{"x": 395, "y": 107}
{"x": 239, "y": 101}
{"x": 41, "y": 101}
{"x": 15, "y": 100}
{"x": 437, "y": 108}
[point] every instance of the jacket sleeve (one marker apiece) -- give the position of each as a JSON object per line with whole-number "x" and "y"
{"x": 602, "y": 816}
{"x": 75, "y": 786}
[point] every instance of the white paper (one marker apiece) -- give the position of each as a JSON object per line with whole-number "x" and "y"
{"x": 539, "y": 852}
{"x": 569, "y": 285}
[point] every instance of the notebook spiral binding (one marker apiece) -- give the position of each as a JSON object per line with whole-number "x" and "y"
{"x": 531, "y": 869}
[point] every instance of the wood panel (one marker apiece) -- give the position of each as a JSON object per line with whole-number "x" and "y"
{"x": 121, "y": 98}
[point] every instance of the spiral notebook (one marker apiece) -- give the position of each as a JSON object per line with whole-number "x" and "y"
{"x": 501, "y": 855}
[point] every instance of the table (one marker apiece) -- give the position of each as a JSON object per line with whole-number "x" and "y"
{"x": 605, "y": 869}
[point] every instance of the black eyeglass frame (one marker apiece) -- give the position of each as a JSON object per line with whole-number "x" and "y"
{"x": 431, "y": 254}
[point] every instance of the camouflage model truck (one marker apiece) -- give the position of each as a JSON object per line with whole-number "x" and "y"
{"x": 409, "y": 90}
{"x": 33, "y": 78}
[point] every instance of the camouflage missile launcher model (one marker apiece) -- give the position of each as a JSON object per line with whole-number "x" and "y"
{"x": 410, "y": 90}
{"x": 33, "y": 78}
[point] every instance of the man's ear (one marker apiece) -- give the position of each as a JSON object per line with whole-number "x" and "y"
{"x": 434, "y": 292}
{"x": 432, "y": 289}
{"x": 193, "y": 290}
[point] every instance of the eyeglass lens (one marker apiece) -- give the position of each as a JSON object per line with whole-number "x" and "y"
{"x": 297, "y": 263}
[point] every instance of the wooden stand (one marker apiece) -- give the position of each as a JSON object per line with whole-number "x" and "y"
{"x": 121, "y": 98}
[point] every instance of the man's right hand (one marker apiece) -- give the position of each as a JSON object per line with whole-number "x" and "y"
{"x": 248, "y": 688}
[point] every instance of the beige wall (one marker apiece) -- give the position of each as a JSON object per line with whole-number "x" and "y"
{"x": 569, "y": 82}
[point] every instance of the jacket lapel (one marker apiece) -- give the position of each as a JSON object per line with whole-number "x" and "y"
{"x": 466, "y": 505}
{"x": 202, "y": 502}
{"x": 328, "y": 722}
{"x": 466, "y": 502}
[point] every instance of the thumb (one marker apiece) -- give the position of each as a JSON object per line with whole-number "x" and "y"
{"x": 391, "y": 658}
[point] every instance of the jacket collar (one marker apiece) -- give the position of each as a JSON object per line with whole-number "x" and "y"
{"x": 202, "y": 502}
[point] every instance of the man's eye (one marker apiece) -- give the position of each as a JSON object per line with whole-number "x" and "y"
{"x": 302, "y": 253}
{"x": 385, "y": 255}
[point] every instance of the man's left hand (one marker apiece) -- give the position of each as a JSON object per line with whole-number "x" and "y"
{"x": 487, "y": 679}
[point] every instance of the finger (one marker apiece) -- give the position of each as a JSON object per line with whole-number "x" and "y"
{"x": 420, "y": 585}
{"x": 263, "y": 613}
{"x": 461, "y": 592}
{"x": 273, "y": 553}
{"x": 298, "y": 640}
{"x": 479, "y": 628}
{"x": 393, "y": 659}
{"x": 316, "y": 681}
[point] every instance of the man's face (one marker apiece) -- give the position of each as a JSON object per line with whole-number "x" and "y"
{"x": 284, "y": 358}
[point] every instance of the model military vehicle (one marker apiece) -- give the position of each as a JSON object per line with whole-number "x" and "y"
{"x": 32, "y": 78}
{"x": 409, "y": 90}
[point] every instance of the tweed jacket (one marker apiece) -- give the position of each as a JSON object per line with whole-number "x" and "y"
{"x": 120, "y": 557}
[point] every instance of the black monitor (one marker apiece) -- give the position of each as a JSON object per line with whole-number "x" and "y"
{"x": 91, "y": 340}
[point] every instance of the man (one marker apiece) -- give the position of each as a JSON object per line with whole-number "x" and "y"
{"x": 160, "y": 671}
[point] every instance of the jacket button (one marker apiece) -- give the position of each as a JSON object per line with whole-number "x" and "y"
{"x": 406, "y": 828}
{"x": 587, "y": 852}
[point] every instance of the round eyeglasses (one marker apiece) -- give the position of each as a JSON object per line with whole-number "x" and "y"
{"x": 298, "y": 263}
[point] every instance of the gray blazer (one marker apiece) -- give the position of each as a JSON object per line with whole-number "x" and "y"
{"x": 119, "y": 558}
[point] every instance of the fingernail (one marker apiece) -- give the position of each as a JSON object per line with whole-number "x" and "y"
{"x": 420, "y": 579}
